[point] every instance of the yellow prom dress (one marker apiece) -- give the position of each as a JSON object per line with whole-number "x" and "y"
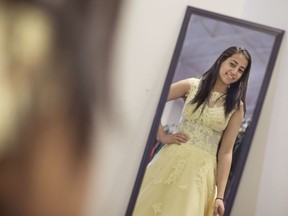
{"x": 181, "y": 179}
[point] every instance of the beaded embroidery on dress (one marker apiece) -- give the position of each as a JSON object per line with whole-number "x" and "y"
{"x": 180, "y": 180}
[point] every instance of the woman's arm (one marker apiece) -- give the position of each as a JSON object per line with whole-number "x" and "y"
{"x": 225, "y": 154}
{"x": 177, "y": 90}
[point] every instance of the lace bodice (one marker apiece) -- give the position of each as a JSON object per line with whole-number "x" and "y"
{"x": 204, "y": 129}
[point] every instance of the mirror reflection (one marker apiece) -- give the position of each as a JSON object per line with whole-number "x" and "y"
{"x": 188, "y": 169}
{"x": 212, "y": 103}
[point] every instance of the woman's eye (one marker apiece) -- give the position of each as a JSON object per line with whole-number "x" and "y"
{"x": 232, "y": 64}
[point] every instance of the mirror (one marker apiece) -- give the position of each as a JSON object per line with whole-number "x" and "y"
{"x": 203, "y": 37}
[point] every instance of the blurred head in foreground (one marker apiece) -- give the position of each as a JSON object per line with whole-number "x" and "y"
{"x": 53, "y": 64}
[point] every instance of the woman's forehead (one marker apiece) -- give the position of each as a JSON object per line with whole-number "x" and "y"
{"x": 240, "y": 58}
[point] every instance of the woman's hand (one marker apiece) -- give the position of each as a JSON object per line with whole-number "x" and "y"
{"x": 177, "y": 138}
{"x": 218, "y": 207}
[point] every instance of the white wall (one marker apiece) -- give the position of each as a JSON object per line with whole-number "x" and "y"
{"x": 146, "y": 39}
{"x": 264, "y": 189}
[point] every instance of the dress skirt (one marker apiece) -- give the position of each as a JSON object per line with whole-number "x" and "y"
{"x": 179, "y": 181}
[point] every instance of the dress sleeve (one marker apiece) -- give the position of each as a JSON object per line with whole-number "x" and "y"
{"x": 194, "y": 82}
{"x": 234, "y": 110}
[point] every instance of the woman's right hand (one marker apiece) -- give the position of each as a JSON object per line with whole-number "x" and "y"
{"x": 177, "y": 138}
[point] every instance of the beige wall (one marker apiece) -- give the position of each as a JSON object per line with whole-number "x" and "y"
{"x": 147, "y": 36}
{"x": 264, "y": 188}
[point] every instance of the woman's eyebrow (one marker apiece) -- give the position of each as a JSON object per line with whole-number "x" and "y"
{"x": 237, "y": 63}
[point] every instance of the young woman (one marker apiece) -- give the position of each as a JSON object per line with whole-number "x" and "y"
{"x": 187, "y": 177}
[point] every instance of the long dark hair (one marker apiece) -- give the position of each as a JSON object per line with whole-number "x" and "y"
{"x": 235, "y": 93}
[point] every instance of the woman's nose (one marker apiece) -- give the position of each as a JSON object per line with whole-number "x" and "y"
{"x": 234, "y": 70}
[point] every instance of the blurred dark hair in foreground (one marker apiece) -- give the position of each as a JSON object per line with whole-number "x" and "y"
{"x": 54, "y": 73}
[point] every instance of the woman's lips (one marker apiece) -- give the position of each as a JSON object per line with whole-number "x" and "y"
{"x": 229, "y": 76}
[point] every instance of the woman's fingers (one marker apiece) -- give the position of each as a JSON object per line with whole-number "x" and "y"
{"x": 177, "y": 138}
{"x": 218, "y": 208}
{"x": 181, "y": 138}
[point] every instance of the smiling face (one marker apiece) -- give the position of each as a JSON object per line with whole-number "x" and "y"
{"x": 232, "y": 69}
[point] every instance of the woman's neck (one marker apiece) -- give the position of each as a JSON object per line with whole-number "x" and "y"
{"x": 221, "y": 88}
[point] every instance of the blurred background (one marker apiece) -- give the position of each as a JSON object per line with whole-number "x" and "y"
{"x": 53, "y": 79}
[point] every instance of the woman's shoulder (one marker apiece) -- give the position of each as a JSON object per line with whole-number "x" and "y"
{"x": 239, "y": 108}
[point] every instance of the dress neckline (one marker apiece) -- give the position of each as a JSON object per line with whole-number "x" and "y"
{"x": 217, "y": 93}
{"x": 216, "y": 98}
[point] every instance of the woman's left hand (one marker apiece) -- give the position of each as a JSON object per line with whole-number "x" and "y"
{"x": 218, "y": 207}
